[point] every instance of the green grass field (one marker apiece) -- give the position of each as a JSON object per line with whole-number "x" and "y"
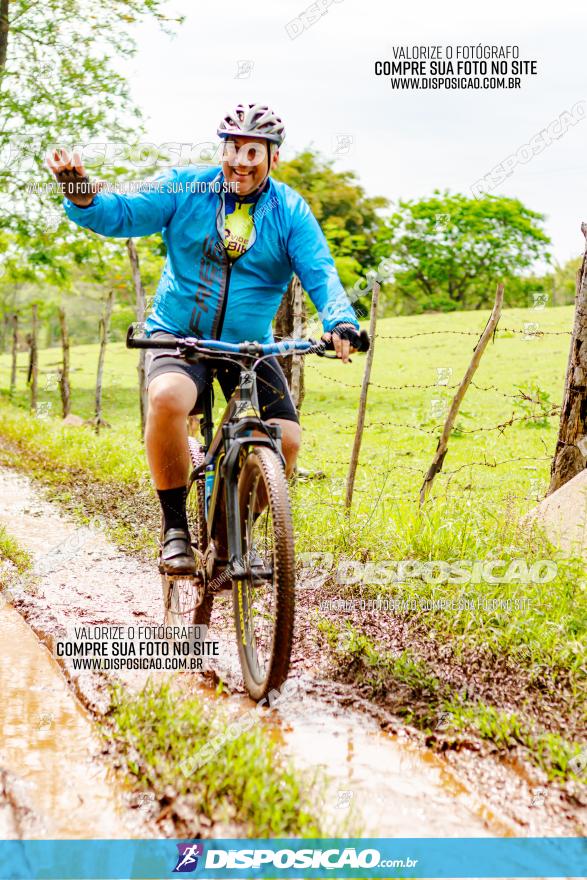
{"x": 494, "y": 472}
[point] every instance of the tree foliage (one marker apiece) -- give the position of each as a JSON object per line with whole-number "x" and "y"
{"x": 59, "y": 86}
{"x": 448, "y": 251}
{"x": 564, "y": 280}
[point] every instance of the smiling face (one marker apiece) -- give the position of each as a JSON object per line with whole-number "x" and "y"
{"x": 245, "y": 162}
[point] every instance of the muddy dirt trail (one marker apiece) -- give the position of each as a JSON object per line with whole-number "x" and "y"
{"x": 394, "y": 785}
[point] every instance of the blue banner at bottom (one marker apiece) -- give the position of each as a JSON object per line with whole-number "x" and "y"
{"x": 293, "y": 857}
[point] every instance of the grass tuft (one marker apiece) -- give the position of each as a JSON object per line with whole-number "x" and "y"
{"x": 161, "y": 734}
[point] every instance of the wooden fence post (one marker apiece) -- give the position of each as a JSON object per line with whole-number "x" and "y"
{"x": 104, "y": 326}
{"x": 442, "y": 447}
{"x": 140, "y": 309}
{"x": 570, "y": 455}
{"x": 290, "y": 322}
{"x": 350, "y": 482}
{"x": 5, "y": 329}
{"x": 64, "y": 386}
{"x": 13, "y": 354}
{"x": 33, "y": 372}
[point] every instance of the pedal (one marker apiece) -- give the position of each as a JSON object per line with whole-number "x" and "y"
{"x": 238, "y": 571}
{"x": 261, "y": 574}
{"x": 196, "y": 578}
{"x": 213, "y": 565}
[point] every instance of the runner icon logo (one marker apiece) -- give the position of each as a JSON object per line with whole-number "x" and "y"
{"x": 187, "y": 859}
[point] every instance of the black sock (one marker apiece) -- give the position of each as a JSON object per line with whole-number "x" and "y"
{"x": 173, "y": 507}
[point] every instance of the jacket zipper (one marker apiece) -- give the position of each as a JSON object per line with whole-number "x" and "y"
{"x": 227, "y": 285}
{"x": 224, "y": 297}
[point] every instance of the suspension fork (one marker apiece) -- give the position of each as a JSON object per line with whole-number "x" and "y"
{"x": 239, "y": 422}
{"x": 230, "y": 469}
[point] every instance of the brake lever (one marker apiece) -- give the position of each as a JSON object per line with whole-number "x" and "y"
{"x": 320, "y": 350}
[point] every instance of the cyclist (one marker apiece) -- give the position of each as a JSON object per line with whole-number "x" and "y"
{"x": 234, "y": 237}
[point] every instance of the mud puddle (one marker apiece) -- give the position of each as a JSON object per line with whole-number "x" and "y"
{"x": 375, "y": 784}
{"x": 396, "y": 789}
{"x": 48, "y": 745}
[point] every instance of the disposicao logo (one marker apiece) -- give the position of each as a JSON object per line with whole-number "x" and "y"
{"x": 187, "y": 859}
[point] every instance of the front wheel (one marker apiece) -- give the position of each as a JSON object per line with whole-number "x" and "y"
{"x": 264, "y": 599}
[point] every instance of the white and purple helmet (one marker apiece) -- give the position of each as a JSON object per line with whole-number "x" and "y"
{"x": 253, "y": 120}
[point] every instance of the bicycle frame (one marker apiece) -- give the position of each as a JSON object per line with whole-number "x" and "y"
{"x": 223, "y": 449}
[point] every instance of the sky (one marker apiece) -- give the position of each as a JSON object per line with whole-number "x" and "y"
{"x": 401, "y": 144}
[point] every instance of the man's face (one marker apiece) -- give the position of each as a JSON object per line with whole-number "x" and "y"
{"x": 245, "y": 163}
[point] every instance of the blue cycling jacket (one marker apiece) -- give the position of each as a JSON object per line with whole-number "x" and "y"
{"x": 200, "y": 292}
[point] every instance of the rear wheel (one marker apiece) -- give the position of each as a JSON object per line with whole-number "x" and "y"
{"x": 264, "y": 599}
{"x": 184, "y": 601}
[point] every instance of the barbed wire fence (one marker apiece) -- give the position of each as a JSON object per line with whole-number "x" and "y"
{"x": 538, "y": 412}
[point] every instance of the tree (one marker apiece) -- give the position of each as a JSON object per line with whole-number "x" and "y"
{"x": 94, "y": 265}
{"x": 55, "y": 90}
{"x": 448, "y": 251}
{"x": 564, "y": 281}
{"x": 59, "y": 91}
{"x": 525, "y": 291}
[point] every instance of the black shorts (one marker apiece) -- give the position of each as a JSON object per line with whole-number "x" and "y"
{"x": 275, "y": 400}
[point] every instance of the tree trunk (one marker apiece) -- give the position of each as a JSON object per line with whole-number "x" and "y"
{"x": 64, "y": 387}
{"x": 104, "y": 326}
{"x": 13, "y": 354}
{"x": 140, "y": 309}
{"x": 290, "y": 322}
{"x": 570, "y": 455}
{"x": 4, "y": 28}
{"x": 34, "y": 359}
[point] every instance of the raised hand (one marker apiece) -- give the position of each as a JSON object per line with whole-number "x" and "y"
{"x": 72, "y": 176}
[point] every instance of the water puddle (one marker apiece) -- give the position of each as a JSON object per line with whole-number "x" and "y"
{"x": 48, "y": 744}
{"x": 379, "y": 784}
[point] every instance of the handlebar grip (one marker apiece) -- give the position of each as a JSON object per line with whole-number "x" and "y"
{"x": 364, "y": 343}
{"x": 147, "y": 342}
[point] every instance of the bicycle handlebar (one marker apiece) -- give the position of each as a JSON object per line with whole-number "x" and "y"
{"x": 250, "y": 349}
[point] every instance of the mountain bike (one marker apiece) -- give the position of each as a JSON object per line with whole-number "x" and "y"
{"x": 238, "y": 501}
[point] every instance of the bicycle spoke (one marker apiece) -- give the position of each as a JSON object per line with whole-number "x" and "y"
{"x": 259, "y": 598}
{"x": 181, "y": 600}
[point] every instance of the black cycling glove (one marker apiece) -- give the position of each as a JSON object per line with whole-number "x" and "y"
{"x": 76, "y": 188}
{"x": 347, "y": 331}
